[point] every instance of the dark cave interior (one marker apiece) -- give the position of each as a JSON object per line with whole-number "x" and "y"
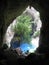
{"x": 9, "y": 10}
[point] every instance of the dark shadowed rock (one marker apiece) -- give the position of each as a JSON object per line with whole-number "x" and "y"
{"x": 7, "y": 7}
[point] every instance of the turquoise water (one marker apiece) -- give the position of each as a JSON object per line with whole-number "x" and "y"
{"x": 24, "y": 46}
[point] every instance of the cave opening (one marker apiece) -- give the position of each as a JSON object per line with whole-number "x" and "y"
{"x": 12, "y": 36}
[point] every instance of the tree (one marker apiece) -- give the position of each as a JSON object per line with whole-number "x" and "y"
{"x": 23, "y": 28}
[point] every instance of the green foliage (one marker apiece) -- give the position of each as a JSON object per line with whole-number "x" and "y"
{"x": 23, "y": 27}
{"x": 36, "y": 34}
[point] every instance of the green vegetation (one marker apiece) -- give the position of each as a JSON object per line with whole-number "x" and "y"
{"x": 23, "y": 28}
{"x": 36, "y": 34}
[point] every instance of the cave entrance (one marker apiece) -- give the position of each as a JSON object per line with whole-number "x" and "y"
{"x": 12, "y": 36}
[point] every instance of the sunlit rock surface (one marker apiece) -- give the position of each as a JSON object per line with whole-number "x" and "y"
{"x": 36, "y": 18}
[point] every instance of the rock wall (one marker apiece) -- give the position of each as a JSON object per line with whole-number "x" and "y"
{"x": 44, "y": 36}
{"x": 9, "y": 9}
